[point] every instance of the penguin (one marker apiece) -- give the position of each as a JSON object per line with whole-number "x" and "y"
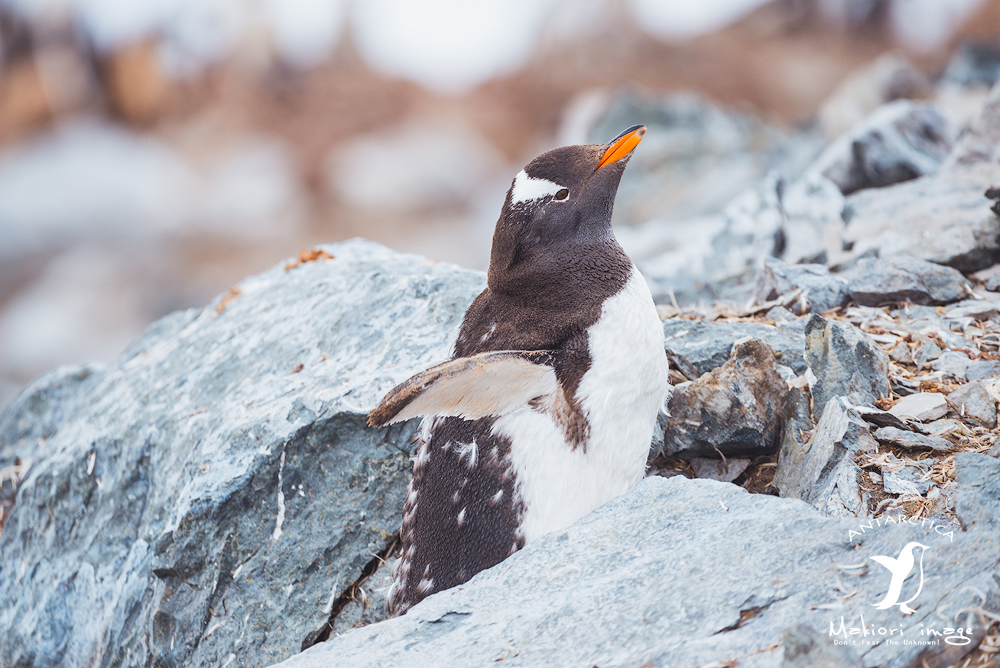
{"x": 547, "y": 408}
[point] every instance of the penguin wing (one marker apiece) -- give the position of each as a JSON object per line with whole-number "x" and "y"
{"x": 491, "y": 383}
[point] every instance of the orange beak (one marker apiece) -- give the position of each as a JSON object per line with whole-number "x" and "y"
{"x": 622, "y": 145}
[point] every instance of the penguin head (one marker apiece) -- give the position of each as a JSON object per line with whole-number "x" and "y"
{"x": 558, "y": 208}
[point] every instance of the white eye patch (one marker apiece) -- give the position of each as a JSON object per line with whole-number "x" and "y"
{"x": 528, "y": 188}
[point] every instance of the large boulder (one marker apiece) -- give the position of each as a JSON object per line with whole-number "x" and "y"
{"x": 695, "y": 573}
{"x": 215, "y": 491}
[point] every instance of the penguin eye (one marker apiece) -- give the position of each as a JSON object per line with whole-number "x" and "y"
{"x": 562, "y": 194}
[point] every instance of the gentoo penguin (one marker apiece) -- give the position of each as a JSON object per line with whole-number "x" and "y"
{"x": 547, "y": 407}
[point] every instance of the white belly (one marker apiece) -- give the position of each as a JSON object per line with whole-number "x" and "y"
{"x": 620, "y": 394}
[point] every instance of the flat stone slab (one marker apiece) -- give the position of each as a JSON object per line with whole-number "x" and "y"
{"x": 922, "y": 407}
{"x": 909, "y": 439}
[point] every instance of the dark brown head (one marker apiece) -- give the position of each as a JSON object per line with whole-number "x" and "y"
{"x": 556, "y": 221}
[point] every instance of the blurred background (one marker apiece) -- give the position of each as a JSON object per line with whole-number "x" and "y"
{"x": 154, "y": 153}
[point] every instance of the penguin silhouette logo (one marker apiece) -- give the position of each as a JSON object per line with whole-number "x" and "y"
{"x": 901, "y": 567}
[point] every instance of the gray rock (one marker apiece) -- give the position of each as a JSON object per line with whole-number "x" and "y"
{"x": 732, "y": 411}
{"x": 822, "y": 472}
{"x": 662, "y": 576}
{"x": 926, "y": 352}
{"x": 977, "y": 309}
{"x": 696, "y": 156}
{"x": 952, "y": 364}
{"x": 994, "y": 451}
{"x": 982, "y": 143}
{"x": 880, "y": 418}
{"x": 215, "y": 490}
{"x": 822, "y": 290}
{"x": 723, "y": 470}
{"x": 974, "y": 400}
{"x": 978, "y": 501}
{"x": 901, "y": 353}
{"x": 922, "y": 407}
{"x": 982, "y": 369}
{"x": 908, "y": 439}
{"x": 805, "y": 648}
{"x": 944, "y": 428}
{"x": 907, "y": 481}
{"x": 718, "y": 256}
{"x": 897, "y": 142}
{"x": 973, "y": 65}
{"x": 889, "y": 77}
{"x": 874, "y": 282}
{"x": 845, "y": 363}
{"x": 696, "y": 346}
{"x": 943, "y": 219}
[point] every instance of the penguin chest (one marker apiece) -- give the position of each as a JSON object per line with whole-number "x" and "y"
{"x": 620, "y": 394}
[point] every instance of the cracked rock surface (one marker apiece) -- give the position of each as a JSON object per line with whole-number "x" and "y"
{"x": 208, "y": 496}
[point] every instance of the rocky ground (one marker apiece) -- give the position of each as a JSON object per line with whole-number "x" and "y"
{"x": 213, "y": 496}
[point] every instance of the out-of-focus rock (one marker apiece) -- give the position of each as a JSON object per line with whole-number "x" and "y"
{"x": 218, "y": 481}
{"x": 845, "y": 363}
{"x": 717, "y": 257}
{"x": 94, "y": 182}
{"x": 889, "y": 280}
{"x": 822, "y": 290}
{"x": 889, "y": 77}
{"x": 898, "y": 142}
{"x": 982, "y": 369}
{"x": 943, "y": 219}
{"x": 822, "y": 472}
{"x": 137, "y": 86}
{"x": 952, "y": 364}
{"x": 733, "y": 411}
{"x": 982, "y": 142}
{"x": 23, "y": 100}
{"x": 423, "y": 164}
{"x": 905, "y": 438}
{"x": 973, "y": 65}
{"x": 975, "y": 401}
{"x": 698, "y": 346}
{"x": 695, "y": 157}
{"x": 922, "y": 407}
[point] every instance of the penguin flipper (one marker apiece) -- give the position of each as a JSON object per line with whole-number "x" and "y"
{"x": 488, "y": 384}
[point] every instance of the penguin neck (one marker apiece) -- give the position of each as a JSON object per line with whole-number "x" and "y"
{"x": 584, "y": 272}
